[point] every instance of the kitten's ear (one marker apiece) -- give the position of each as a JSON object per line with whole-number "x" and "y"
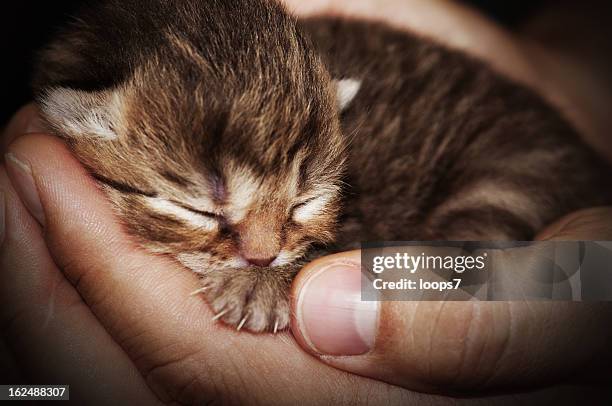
{"x": 83, "y": 114}
{"x": 346, "y": 90}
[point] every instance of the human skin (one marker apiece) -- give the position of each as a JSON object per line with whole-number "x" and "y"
{"x": 73, "y": 281}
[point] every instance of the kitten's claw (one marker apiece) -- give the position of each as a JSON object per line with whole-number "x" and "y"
{"x": 244, "y": 319}
{"x": 251, "y": 299}
{"x": 198, "y": 291}
{"x": 220, "y": 314}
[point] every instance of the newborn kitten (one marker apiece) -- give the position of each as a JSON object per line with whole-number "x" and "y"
{"x": 214, "y": 129}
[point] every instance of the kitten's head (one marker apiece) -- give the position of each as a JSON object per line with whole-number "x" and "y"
{"x": 221, "y": 163}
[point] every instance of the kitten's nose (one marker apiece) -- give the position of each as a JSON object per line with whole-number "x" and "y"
{"x": 260, "y": 261}
{"x": 259, "y": 239}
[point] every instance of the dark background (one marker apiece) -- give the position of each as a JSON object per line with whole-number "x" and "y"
{"x": 27, "y": 24}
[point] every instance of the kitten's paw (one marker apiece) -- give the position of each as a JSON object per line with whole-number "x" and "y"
{"x": 254, "y": 299}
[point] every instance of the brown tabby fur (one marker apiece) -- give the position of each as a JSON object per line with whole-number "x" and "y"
{"x": 226, "y": 112}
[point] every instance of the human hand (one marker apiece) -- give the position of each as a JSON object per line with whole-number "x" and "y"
{"x": 454, "y": 346}
{"x": 81, "y": 304}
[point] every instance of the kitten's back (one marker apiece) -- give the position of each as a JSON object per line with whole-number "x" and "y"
{"x": 444, "y": 147}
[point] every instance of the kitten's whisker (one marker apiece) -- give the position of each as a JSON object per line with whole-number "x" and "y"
{"x": 350, "y": 137}
{"x": 198, "y": 291}
{"x": 220, "y": 314}
{"x": 244, "y": 319}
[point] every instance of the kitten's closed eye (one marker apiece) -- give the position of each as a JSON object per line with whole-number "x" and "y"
{"x": 123, "y": 187}
{"x": 182, "y": 211}
{"x": 306, "y": 210}
{"x": 212, "y": 215}
{"x": 193, "y": 217}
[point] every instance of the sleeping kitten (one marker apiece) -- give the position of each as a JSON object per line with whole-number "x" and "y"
{"x": 222, "y": 139}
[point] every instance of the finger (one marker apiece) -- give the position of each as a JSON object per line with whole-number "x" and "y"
{"x": 144, "y": 301}
{"x": 89, "y": 248}
{"x": 50, "y": 331}
{"x": 442, "y": 346}
{"x": 594, "y": 224}
{"x": 25, "y": 121}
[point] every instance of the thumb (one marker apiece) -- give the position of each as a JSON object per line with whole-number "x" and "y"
{"x": 442, "y": 346}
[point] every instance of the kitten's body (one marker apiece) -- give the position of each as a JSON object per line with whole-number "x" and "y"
{"x": 213, "y": 128}
{"x": 450, "y": 149}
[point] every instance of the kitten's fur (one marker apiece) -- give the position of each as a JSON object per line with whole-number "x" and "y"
{"x": 213, "y": 128}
